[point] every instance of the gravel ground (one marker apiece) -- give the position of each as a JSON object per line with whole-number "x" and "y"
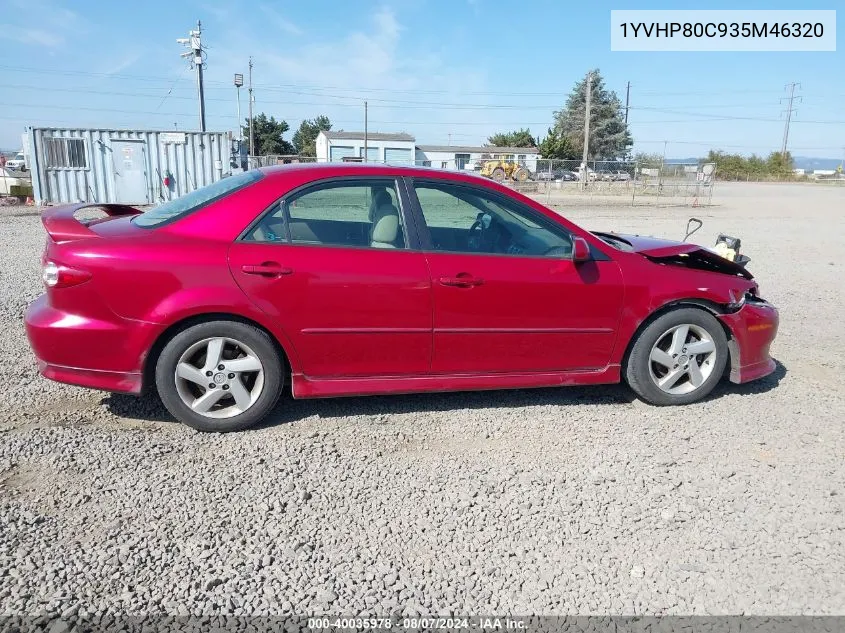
{"x": 554, "y": 501}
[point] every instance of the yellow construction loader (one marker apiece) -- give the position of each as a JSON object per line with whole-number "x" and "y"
{"x": 500, "y": 170}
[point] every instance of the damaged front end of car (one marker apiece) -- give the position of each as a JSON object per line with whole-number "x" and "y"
{"x": 750, "y": 322}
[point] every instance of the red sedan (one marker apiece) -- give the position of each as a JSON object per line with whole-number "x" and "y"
{"x": 357, "y": 279}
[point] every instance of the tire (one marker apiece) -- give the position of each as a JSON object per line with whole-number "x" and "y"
{"x": 498, "y": 174}
{"x": 232, "y": 399}
{"x": 521, "y": 175}
{"x": 663, "y": 368}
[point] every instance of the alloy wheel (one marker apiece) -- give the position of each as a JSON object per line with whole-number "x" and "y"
{"x": 682, "y": 359}
{"x": 219, "y": 377}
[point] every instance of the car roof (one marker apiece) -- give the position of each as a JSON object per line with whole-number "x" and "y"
{"x": 327, "y": 170}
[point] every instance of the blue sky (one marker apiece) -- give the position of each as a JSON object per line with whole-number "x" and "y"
{"x": 444, "y": 70}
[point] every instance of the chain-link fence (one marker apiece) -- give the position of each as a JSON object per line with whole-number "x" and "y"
{"x": 616, "y": 183}
{"x": 566, "y": 183}
{"x": 254, "y": 162}
{"x": 830, "y": 176}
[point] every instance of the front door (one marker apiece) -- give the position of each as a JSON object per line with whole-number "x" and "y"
{"x": 507, "y": 296}
{"x": 332, "y": 264}
{"x": 130, "y": 172}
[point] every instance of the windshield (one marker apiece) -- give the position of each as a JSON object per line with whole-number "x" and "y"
{"x": 190, "y": 202}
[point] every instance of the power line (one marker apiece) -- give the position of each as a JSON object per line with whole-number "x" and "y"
{"x": 359, "y": 89}
{"x": 730, "y": 118}
{"x": 719, "y": 144}
{"x": 50, "y": 71}
{"x": 400, "y": 122}
{"x": 356, "y": 104}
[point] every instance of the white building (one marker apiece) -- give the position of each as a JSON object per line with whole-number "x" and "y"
{"x": 400, "y": 148}
{"x": 468, "y": 157}
{"x": 381, "y": 148}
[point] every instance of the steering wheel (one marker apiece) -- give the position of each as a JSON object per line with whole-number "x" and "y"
{"x": 475, "y": 239}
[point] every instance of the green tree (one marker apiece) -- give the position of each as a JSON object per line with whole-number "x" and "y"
{"x": 269, "y": 135}
{"x": 517, "y": 138}
{"x": 609, "y": 134}
{"x": 780, "y": 165}
{"x": 737, "y": 167}
{"x": 555, "y": 145}
{"x": 305, "y": 139}
{"x": 648, "y": 160}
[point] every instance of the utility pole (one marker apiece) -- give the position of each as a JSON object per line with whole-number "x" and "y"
{"x": 251, "y": 99}
{"x": 585, "y": 174}
{"x": 627, "y": 101}
{"x": 365, "y": 132}
{"x": 791, "y": 88}
{"x": 194, "y": 43}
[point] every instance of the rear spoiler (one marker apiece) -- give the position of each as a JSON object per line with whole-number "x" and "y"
{"x": 62, "y": 226}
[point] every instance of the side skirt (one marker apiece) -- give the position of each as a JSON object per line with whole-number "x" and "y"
{"x": 305, "y": 387}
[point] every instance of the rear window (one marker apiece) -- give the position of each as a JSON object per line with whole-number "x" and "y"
{"x": 190, "y": 202}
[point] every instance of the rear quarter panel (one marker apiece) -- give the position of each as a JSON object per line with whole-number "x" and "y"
{"x": 160, "y": 278}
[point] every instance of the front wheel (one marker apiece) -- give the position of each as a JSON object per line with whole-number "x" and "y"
{"x": 219, "y": 376}
{"x": 678, "y": 358}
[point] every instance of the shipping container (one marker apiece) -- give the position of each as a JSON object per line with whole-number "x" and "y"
{"x": 138, "y": 167}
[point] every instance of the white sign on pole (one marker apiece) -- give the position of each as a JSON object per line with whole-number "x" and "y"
{"x": 172, "y": 137}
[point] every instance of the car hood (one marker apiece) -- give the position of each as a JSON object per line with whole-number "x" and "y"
{"x": 656, "y": 247}
{"x": 680, "y": 253}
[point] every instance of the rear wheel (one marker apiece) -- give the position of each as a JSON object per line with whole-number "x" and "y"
{"x": 521, "y": 175}
{"x": 219, "y": 376}
{"x": 678, "y": 358}
{"x": 498, "y": 174}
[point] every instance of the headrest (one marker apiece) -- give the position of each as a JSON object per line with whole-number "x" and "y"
{"x": 382, "y": 198}
{"x": 386, "y": 228}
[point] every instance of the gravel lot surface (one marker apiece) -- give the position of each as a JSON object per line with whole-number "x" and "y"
{"x": 576, "y": 500}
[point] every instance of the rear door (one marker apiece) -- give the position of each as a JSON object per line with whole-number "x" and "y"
{"x": 349, "y": 308}
{"x": 507, "y": 296}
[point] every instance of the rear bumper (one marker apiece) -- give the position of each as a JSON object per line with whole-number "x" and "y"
{"x": 100, "y": 353}
{"x": 124, "y": 382}
{"x": 753, "y": 328}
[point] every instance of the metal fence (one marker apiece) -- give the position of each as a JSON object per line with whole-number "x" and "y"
{"x": 828, "y": 177}
{"x": 567, "y": 183}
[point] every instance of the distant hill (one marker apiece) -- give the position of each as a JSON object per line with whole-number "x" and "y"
{"x": 804, "y": 162}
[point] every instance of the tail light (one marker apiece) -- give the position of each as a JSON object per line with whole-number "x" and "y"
{"x": 60, "y": 276}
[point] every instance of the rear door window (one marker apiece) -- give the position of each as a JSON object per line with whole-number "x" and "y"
{"x": 360, "y": 213}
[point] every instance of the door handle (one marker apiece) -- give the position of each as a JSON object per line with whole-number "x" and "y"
{"x": 267, "y": 269}
{"x": 461, "y": 280}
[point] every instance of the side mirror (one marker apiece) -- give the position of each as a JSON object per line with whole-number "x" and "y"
{"x": 580, "y": 250}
